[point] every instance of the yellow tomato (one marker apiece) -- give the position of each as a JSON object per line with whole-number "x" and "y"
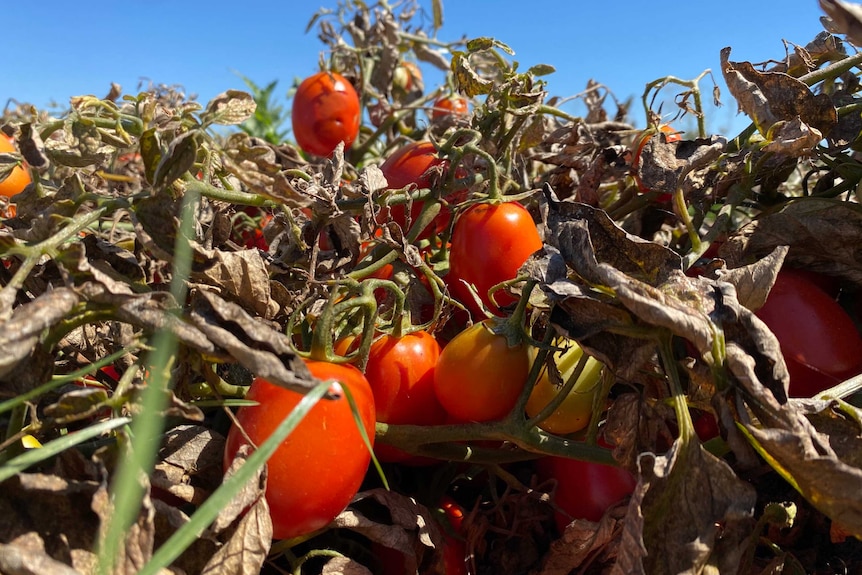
{"x": 573, "y": 414}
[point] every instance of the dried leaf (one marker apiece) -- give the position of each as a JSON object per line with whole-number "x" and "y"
{"x": 15, "y": 560}
{"x": 344, "y": 566}
{"x": 689, "y": 513}
{"x": 665, "y": 166}
{"x": 252, "y": 492}
{"x": 21, "y": 331}
{"x": 249, "y": 544}
{"x": 770, "y": 97}
{"x": 242, "y": 276}
{"x": 189, "y": 463}
{"x": 846, "y": 18}
{"x": 822, "y": 234}
{"x": 581, "y": 540}
{"x": 179, "y": 158}
{"x": 230, "y": 108}
{"x": 256, "y": 345}
{"x": 467, "y": 79}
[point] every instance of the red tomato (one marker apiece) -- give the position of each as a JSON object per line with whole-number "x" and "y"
{"x": 489, "y": 243}
{"x": 819, "y": 341}
{"x": 446, "y": 106}
{"x": 325, "y": 112}
{"x": 671, "y": 135}
{"x": 585, "y": 490}
{"x": 19, "y": 177}
{"x": 478, "y": 376}
{"x": 401, "y": 374}
{"x": 705, "y": 425}
{"x": 318, "y": 469}
{"x": 410, "y": 165}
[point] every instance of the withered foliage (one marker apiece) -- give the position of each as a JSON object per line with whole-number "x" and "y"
{"x": 152, "y": 214}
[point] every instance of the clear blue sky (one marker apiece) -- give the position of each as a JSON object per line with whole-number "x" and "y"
{"x": 57, "y": 49}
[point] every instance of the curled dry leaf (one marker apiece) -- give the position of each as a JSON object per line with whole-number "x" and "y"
{"x": 583, "y": 542}
{"x": 845, "y": 18}
{"x": 189, "y": 464}
{"x": 770, "y": 97}
{"x": 413, "y": 532}
{"x": 22, "y": 327}
{"x": 344, "y": 566}
{"x": 230, "y": 108}
{"x": 665, "y": 166}
{"x": 689, "y": 512}
{"x": 623, "y": 284}
{"x": 822, "y": 234}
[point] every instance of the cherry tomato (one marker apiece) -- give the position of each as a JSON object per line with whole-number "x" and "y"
{"x": 408, "y": 77}
{"x": 318, "y": 469}
{"x": 671, "y": 135}
{"x": 325, "y": 112}
{"x": 478, "y": 376}
{"x": 584, "y": 490}
{"x": 705, "y": 425}
{"x": 401, "y": 374}
{"x": 446, "y": 106}
{"x": 252, "y": 237}
{"x": 19, "y": 177}
{"x": 411, "y": 165}
{"x": 574, "y": 412}
{"x": 489, "y": 243}
{"x": 819, "y": 341}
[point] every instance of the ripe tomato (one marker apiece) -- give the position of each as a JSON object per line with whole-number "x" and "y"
{"x": 478, "y": 376}
{"x": 574, "y": 412}
{"x": 401, "y": 374}
{"x": 19, "y": 177}
{"x": 671, "y": 135}
{"x": 318, "y": 469}
{"x": 410, "y": 165}
{"x": 325, "y": 112}
{"x": 446, "y": 106}
{"x": 585, "y": 490}
{"x": 819, "y": 341}
{"x": 489, "y": 243}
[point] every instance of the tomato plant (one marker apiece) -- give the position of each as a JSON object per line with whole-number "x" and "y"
{"x": 411, "y": 165}
{"x": 819, "y": 341}
{"x": 325, "y": 112}
{"x": 19, "y": 177}
{"x": 490, "y": 241}
{"x": 479, "y": 376}
{"x": 317, "y": 470}
{"x": 452, "y": 105}
{"x": 585, "y": 490}
{"x": 401, "y": 374}
{"x": 573, "y": 414}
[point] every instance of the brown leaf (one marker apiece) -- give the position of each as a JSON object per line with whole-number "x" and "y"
{"x": 664, "y": 166}
{"x": 249, "y": 544}
{"x": 344, "y": 566}
{"x": 801, "y": 453}
{"x": 37, "y": 507}
{"x": 249, "y": 495}
{"x": 411, "y": 524}
{"x": 242, "y": 276}
{"x": 822, "y": 234}
{"x": 189, "y": 463}
{"x": 230, "y": 108}
{"x": 580, "y": 541}
{"x": 845, "y": 18}
{"x": 689, "y": 511}
{"x": 15, "y": 560}
{"x": 259, "y": 347}
{"x": 754, "y": 281}
{"x": 20, "y": 332}
{"x": 770, "y": 97}
{"x": 137, "y": 547}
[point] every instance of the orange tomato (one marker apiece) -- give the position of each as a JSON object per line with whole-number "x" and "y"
{"x": 19, "y": 178}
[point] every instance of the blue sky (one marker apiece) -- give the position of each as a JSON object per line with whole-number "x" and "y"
{"x": 57, "y": 49}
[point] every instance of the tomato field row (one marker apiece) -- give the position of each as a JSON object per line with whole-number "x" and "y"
{"x": 447, "y": 329}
